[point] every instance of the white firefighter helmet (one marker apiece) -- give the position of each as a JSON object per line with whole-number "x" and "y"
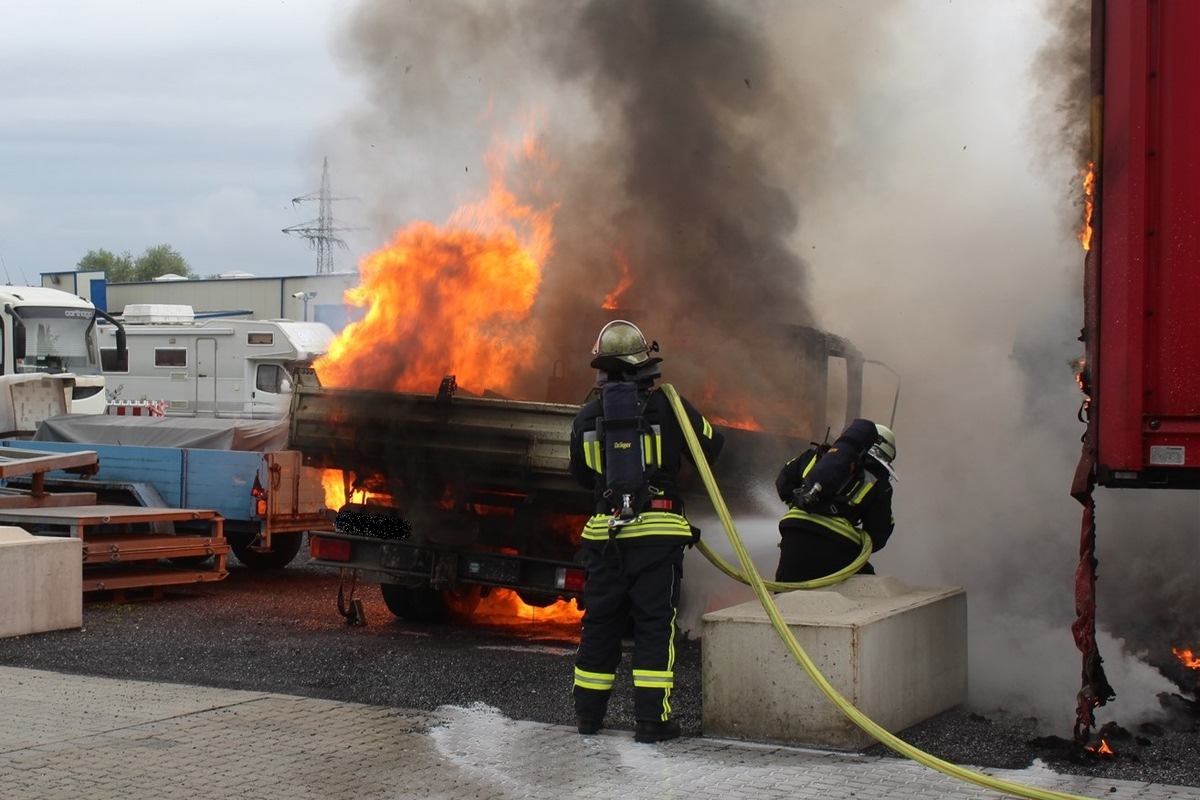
{"x": 621, "y": 346}
{"x": 884, "y": 449}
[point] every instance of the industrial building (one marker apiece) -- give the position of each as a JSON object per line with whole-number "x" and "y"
{"x": 311, "y": 298}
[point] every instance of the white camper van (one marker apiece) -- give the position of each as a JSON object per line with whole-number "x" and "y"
{"x": 215, "y": 367}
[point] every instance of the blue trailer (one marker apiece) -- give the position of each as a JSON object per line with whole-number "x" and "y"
{"x": 267, "y": 497}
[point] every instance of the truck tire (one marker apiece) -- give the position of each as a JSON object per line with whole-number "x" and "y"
{"x": 461, "y": 603}
{"x": 424, "y": 604}
{"x": 413, "y": 603}
{"x": 283, "y": 551}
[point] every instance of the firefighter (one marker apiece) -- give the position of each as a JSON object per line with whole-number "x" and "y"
{"x": 836, "y": 494}
{"x": 627, "y": 446}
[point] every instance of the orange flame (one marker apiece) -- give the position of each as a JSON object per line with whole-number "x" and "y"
{"x": 736, "y": 411}
{"x": 743, "y": 423}
{"x": 1089, "y": 185}
{"x": 1187, "y": 658}
{"x": 453, "y": 300}
{"x": 1081, "y": 380}
{"x": 333, "y": 482}
{"x": 335, "y": 488}
{"x": 611, "y": 300}
{"x": 505, "y": 607}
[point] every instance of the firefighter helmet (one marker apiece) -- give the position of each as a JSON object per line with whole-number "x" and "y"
{"x": 884, "y": 449}
{"x": 621, "y": 346}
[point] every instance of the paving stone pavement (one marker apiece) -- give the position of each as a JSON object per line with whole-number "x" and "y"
{"x": 71, "y": 737}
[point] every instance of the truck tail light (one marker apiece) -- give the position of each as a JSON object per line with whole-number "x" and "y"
{"x": 328, "y": 549}
{"x": 260, "y": 497}
{"x": 570, "y": 579}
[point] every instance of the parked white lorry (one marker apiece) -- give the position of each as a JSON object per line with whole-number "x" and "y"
{"x": 214, "y": 367}
{"x": 48, "y": 332}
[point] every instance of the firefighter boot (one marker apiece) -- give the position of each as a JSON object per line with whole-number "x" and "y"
{"x": 588, "y": 726}
{"x": 654, "y": 730}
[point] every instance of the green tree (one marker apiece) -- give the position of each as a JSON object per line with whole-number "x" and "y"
{"x": 118, "y": 268}
{"x": 124, "y": 268}
{"x": 160, "y": 260}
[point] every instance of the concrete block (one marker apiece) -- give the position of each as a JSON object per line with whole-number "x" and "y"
{"x": 898, "y": 653}
{"x": 41, "y": 582}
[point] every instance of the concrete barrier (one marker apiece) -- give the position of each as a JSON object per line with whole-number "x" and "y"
{"x": 41, "y": 582}
{"x": 898, "y": 653}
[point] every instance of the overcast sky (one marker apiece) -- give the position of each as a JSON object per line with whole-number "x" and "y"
{"x": 129, "y": 124}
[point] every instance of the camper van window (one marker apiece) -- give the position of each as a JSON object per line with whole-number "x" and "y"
{"x": 269, "y": 378}
{"x": 170, "y": 357}
{"x": 109, "y": 361}
{"x": 260, "y": 337}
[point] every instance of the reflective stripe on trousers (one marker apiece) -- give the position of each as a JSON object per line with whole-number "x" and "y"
{"x": 642, "y": 585}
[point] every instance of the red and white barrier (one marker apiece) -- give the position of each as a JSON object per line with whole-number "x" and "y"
{"x": 137, "y": 408}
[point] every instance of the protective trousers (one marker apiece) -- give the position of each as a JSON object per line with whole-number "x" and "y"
{"x": 807, "y": 552}
{"x": 629, "y": 582}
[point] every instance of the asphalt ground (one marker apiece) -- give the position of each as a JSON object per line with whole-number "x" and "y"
{"x": 281, "y": 632}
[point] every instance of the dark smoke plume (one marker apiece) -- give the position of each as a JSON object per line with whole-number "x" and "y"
{"x": 678, "y": 139}
{"x": 684, "y": 94}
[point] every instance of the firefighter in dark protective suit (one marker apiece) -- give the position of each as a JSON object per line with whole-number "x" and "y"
{"x": 836, "y": 494}
{"x": 628, "y": 446}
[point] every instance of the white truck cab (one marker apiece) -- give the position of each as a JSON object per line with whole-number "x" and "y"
{"x": 49, "y": 332}
{"x": 210, "y": 366}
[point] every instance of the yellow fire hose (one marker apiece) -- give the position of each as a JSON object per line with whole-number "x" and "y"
{"x": 750, "y": 576}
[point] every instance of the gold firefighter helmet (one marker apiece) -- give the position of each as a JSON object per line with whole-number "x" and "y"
{"x": 621, "y": 346}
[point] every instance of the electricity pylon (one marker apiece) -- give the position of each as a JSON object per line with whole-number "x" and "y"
{"x": 321, "y": 232}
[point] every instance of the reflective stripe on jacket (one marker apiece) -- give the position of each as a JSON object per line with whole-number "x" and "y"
{"x": 837, "y": 514}
{"x": 647, "y": 523}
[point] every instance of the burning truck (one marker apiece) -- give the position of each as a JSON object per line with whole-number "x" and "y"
{"x": 442, "y": 415}
{"x": 453, "y": 495}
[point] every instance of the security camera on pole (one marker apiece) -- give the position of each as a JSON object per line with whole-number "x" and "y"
{"x": 304, "y": 297}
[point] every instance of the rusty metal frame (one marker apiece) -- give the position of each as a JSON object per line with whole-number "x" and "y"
{"x": 117, "y": 555}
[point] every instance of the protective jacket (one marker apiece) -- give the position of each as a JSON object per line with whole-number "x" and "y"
{"x": 866, "y": 502}
{"x": 661, "y": 515}
{"x": 822, "y": 539}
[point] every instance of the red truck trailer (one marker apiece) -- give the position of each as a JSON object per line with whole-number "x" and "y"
{"x": 1142, "y": 273}
{"x": 1141, "y": 374}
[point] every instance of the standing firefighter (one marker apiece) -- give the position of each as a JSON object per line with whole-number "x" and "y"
{"x": 628, "y": 446}
{"x": 836, "y": 494}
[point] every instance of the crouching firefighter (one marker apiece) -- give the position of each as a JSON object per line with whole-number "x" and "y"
{"x": 628, "y": 446}
{"x": 836, "y": 494}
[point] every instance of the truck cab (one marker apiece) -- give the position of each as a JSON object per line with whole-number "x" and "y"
{"x": 51, "y": 332}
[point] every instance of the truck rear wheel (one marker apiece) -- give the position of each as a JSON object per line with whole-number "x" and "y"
{"x": 414, "y": 603}
{"x": 283, "y": 550}
{"x": 424, "y": 604}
